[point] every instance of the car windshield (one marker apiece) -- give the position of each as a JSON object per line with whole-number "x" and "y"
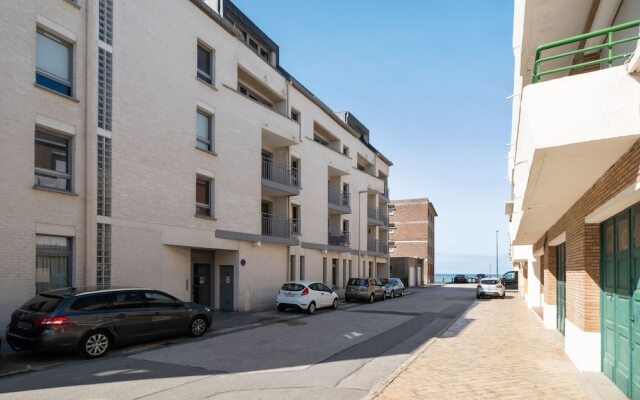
{"x": 358, "y": 282}
{"x": 292, "y": 287}
{"x": 489, "y": 281}
{"x": 42, "y": 303}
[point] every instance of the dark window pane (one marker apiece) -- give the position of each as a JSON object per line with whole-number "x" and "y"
{"x": 204, "y": 64}
{"x": 202, "y": 191}
{"x": 128, "y": 300}
{"x": 91, "y": 303}
{"x": 52, "y": 161}
{"x": 45, "y": 304}
{"x": 155, "y": 299}
{"x": 292, "y": 287}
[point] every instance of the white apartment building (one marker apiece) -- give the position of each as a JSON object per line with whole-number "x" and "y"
{"x": 160, "y": 144}
{"x": 573, "y": 167}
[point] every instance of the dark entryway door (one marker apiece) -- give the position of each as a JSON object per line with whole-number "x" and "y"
{"x": 226, "y": 287}
{"x": 561, "y": 288}
{"x": 201, "y": 284}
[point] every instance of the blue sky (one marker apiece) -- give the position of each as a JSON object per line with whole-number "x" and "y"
{"x": 430, "y": 79}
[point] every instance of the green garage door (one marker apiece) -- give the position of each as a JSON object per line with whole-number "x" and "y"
{"x": 620, "y": 300}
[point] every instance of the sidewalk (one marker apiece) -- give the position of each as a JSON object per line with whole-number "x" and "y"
{"x": 499, "y": 350}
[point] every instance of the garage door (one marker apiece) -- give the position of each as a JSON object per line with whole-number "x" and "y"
{"x": 620, "y": 272}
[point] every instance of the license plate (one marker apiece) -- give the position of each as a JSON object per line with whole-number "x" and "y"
{"x": 23, "y": 325}
{"x": 289, "y": 295}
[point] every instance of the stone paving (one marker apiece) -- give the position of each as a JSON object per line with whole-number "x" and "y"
{"x": 498, "y": 350}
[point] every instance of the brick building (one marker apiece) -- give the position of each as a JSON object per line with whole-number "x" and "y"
{"x": 574, "y": 165}
{"x": 411, "y": 240}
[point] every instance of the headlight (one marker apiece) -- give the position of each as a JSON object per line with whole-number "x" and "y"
{"x": 207, "y": 309}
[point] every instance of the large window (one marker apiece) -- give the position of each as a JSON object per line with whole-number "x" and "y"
{"x": 52, "y": 166}
{"x": 204, "y": 139}
{"x": 204, "y": 203}
{"x": 53, "y": 63}
{"x": 205, "y": 64}
{"x": 53, "y": 262}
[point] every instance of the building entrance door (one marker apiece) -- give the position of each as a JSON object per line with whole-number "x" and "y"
{"x": 561, "y": 288}
{"x": 226, "y": 287}
{"x": 201, "y": 284}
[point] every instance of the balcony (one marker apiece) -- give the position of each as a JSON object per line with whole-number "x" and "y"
{"x": 384, "y": 195}
{"x": 378, "y": 246}
{"x": 571, "y": 130}
{"x": 280, "y": 180}
{"x": 339, "y": 202}
{"x": 278, "y": 226}
{"x": 339, "y": 239}
{"x": 378, "y": 216}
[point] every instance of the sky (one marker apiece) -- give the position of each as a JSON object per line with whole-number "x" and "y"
{"x": 430, "y": 79}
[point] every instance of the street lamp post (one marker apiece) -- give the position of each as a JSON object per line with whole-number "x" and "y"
{"x": 497, "y": 253}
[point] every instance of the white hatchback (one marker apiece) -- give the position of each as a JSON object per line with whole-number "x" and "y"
{"x": 490, "y": 287}
{"x": 306, "y": 296}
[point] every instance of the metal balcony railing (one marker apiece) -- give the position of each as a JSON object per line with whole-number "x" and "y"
{"x": 339, "y": 239}
{"x": 340, "y": 198}
{"x": 378, "y": 246}
{"x": 275, "y": 225}
{"x": 373, "y": 213}
{"x": 582, "y": 52}
{"x": 379, "y": 214}
{"x": 279, "y": 173}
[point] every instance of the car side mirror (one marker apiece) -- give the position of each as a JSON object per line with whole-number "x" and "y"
{"x": 179, "y": 303}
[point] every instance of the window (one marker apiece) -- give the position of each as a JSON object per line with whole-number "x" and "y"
{"x": 334, "y": 271}
{"x": 295, "y": 171}
{"x": 204, "y": 205}
{"x": 204, "y": 137}
{"x": 103, "y": 255}
{"x": 105, "y": 21}
{"x": 156, "y": 299}
{"x": 264, "y": 54}
{"x": 53, "y": 63}
{"x": 320, "y": 140}
{"x": 292, "y": 268}
{"x": 345, "y": 151}
{"x": 205, "y": 63}
{"x": 128, "y": 300}
{"x": 91, "y": 303}
{"x": 361, "y": 167}
{"x": 52, "y": 166}
{"x": 295, "y": 115}
{"x": 295, "y": 218}
{"x": 253, "y": 95}
{"x": 104, "y": 176}
{"x": 105, "y": 89}
{"x": 53, "y": 262}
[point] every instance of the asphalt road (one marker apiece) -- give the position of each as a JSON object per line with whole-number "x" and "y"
{"x": 339, "y": 354}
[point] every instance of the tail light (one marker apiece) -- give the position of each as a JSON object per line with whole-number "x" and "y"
{"x": 53, "y": 321}
{"x": 499, "y": 286}
{"x": 304, "y": 292}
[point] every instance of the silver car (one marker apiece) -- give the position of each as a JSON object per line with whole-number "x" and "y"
{"x": 393, "y": 287}
{"x": 91, "y": 321}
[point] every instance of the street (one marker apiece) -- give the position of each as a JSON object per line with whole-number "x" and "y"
{"x": 340, "y": 354}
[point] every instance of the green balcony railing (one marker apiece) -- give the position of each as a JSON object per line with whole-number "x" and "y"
{"x": 606, "y": 58}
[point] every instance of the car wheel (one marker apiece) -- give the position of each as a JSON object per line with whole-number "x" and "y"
{"x": 281, "y": 308}
{"x": 384, "y": 296}
{"x": 347, "y": 299}
{"x": 402, "y": 293}
{"x": 335, "y": 304}
{"x": 503, "y": 295}
{"x": 393, "y": 294}
{"x": 372, "y": 298}
{"x": 198, "y": 326}
{"x": 95, "y": 344}
{"x": 312, "y": 308}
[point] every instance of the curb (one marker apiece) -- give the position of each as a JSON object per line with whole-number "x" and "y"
{"x": 405, "y": 365}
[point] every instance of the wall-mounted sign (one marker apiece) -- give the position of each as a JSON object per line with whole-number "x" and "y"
{"x": 243, "y": 262}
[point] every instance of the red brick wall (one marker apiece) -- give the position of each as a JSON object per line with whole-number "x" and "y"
{"x": 410, "y": 219}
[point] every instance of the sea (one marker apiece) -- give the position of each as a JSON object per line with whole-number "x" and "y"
{"x": 446, "y": 278}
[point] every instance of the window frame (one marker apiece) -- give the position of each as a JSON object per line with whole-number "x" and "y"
{"x": 295, "y": 115}
{"x": 203, "y": 75}
{"x": 296, "y": 222}
{"x": 52, "y": 173}
{"x": 47, "y": 75}
{"x": 210, "y": 193}
{"x": 199, "y": 140}
{"x": 45, "y": 252}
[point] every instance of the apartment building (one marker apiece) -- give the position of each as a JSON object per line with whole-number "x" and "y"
{"x": 573, "y": 167}
{"x": 411, "y": 240}
{"x": 165, "y": 147}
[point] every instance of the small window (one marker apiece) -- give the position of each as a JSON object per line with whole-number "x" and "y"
{"x": 53, "y": 63}
{"x": 91, "y": 303}
{"x": 205, "y": 62}
{"x": 52, "y": 167}
{"x": 345, "y": 151}
{"x": 295, "y": 218}
{"x": 264, "y": 54}
{"x": 204, "y": 137}
{"x": 53, "y": 262}
{"x": 128, "y": 300}
{"x": 204, "y": 205}
{"x": 295, "y": 115}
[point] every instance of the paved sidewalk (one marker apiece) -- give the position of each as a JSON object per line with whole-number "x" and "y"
{"x": 499, "y": 350}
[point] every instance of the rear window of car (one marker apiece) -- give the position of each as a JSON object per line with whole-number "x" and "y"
{"x": 358, "y": 282}
{"x": 292, "y": 287}
{"x": 91, "y": 303}
{"x": 42, "y": 303}
{"x": 489, "y": 281}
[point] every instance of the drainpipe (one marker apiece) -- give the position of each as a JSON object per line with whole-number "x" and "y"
{"x": 359, "y": 221}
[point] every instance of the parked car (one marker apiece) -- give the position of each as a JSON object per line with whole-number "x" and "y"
{"x": 93, "y": 321}
{"x": 306, "y": 296}
{"x": 471, "y": 279}
{"x": 392, "y": 287}
{"x": 490, "y": 287}
{"x": 510, "y": 280}
{"x": 364, "y": 289}
{"x": 460, "y": 279}
{"x": 480, "y": 277}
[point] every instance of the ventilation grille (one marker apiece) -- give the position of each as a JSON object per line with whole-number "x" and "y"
{"x": 105, "y": 22}
{"x": 103, "y": 264}
{"x": 104, "y": 176}
{"x": 105, "y": 71}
